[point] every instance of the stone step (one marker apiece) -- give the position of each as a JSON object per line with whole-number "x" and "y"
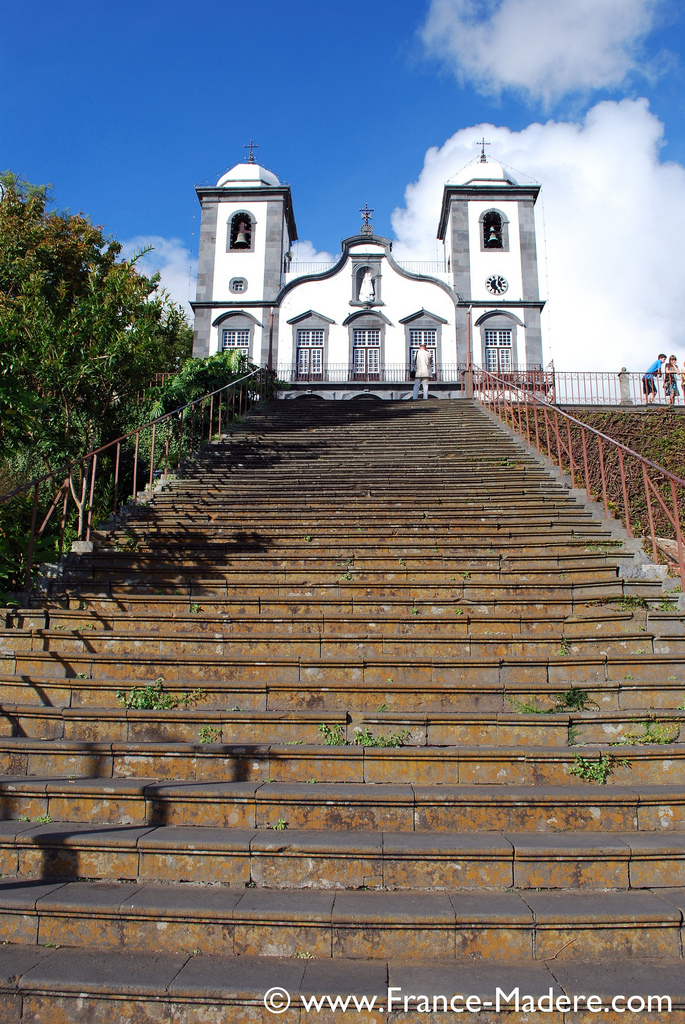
{"x": 532, "y": 672}
{"x": 347, "y": 807}
{"x": 434, "y": 729}
{"x": 114, "y": 985}
{"x": 474, "y": 603}
{"x": 300, "y": 859}
{"x": 641, "y": 685}
{"x": 360, "y": 642}
{"x": 343, "y": 924}
{"x": 354, "y": 590}
{"x": 434, "y": 569}
{"x": 316, "y": 764}
{"x": 335, "y": 614}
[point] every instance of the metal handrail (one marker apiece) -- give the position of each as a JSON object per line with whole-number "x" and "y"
{"x": 242, "y": 393}
{"x": 542, "y": 427}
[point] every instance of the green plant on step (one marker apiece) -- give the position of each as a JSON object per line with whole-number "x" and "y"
{"x": 210, "y": 734}
{"x": 333, "y": 735}
{"x": 365, "y": 738}
{"x": 308, "y": 537}
{"x": 295, "y": 743}
{"x": 81, "y": 675}
{"x": 458, "y": 611}
{"x": 194, "y": 608}
{"x": 597, "y": 771}
{"x": 154, "y": 698}
{"x": 43, "y": 819}
{"x": 466, "y": 575}
{"x": 384, "y": 706}
{"x": 572, "y": 735}
{"x": 564, "y": 648}
{"x": 304, "y": 954}
{"x": 280, "y": 825}
{"x": 573, "y": 699}
{"x": 527, "y": 707}
{"x": 627, "y": 603}
{"x": 654, "y": 732}
{"x": 667, "y": 606}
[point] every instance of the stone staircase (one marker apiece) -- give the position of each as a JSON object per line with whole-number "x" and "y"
{"x": 423, "y": 729}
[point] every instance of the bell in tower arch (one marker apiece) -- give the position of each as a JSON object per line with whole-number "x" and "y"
{"x": 241, "y": 233}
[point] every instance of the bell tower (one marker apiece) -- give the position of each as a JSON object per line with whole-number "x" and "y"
{"x": 487, "y": 223}
{"x": 247, "y": 227}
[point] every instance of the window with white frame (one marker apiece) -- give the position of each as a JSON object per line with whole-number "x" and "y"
{"x": 236, "y": 339}
{"x": 497, "y": 350}
{"x": 310, "y": 353}
{"x": 429, "y": 338}
{"x": 366, "y": 351}
{"x": 367, "y": 337}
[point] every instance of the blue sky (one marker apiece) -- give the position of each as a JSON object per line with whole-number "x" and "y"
{"x": 124, "y": 107}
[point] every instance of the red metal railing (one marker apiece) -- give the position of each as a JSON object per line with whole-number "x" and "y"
{"x": 647, "y": 497}
{"x": 134, "y": 458}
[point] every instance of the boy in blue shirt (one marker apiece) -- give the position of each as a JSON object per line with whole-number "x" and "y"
{"x": 648, "y": 385}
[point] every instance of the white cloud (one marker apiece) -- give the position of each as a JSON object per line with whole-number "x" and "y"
{"x": 542, "y": 48}
{"x": 305, "y": 252}
{"x": 177, "y": 267}
{"x": 614, "y": 216}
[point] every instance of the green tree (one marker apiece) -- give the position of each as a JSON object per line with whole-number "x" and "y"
{"x": 81, "y": 332}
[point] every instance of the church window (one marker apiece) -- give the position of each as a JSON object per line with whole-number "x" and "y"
{"x": 498, "y": 351}
{"x": 236, "y": 339}
{"x": 427, "y": 338}
{"x": 310, "y": 354}
{"x": 237, "y": 284}
{"x": 240, "y": 232}
{"x": 366, "y": 353}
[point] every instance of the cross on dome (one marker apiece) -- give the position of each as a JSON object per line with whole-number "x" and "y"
{"x": 251, "y": 146}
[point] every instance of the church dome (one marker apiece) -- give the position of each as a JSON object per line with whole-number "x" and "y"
{"x": 247, "y": 175}
{"x": 479, "y": 172}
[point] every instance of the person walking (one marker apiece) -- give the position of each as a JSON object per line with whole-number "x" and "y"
{"x": 423, "y": 368}
{"x": 671, "y": 374}
{"x": 648, "y": 385}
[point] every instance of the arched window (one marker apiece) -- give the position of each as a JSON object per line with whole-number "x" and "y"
{"x": 499, "y": 342}
{"x": 236, "y": 332}
{"x": 494, "y": 230}
{"x": 367, "y": 343}
{"x": 240, "y": 231}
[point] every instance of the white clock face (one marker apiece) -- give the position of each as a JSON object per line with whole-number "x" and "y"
{"x": 496, "y": 284}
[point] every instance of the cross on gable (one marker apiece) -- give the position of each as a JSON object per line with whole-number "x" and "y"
{"x": 482, "y": 143}
{"x": 366, "y": 214}
{"x": 251, "y": 146}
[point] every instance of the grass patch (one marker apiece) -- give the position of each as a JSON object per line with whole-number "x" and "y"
{"x": 573, "y": 699}
{"x": 153, "y": 697}
{"x": 597, "y": 771}
{"x": 210, "y": 734}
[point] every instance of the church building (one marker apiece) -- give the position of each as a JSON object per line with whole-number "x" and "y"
{"x": 353, "y": 325}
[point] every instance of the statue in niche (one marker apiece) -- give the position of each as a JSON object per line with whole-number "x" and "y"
{"x": 367, "y": 288}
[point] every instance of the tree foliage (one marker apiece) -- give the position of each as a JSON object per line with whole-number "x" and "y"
{"x": 81, "y": 332}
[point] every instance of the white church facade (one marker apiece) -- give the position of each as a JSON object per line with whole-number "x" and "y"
{"x": 354, "y": 324}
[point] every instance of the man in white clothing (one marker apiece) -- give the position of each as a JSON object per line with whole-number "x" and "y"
{"x": 423, "y": 367}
